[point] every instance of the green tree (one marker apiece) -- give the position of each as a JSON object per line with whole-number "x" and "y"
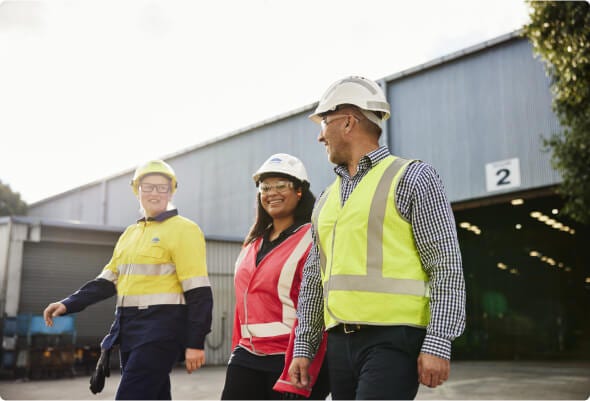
{"x": 560, "y": 35}
{"x": 10, "y": 202}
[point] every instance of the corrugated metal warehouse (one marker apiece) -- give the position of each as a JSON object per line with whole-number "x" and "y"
{"x": 478, "y": 116}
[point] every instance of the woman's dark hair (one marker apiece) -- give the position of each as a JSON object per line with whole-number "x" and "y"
{"x": 302, "y": 212}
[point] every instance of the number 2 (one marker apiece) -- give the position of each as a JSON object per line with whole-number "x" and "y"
{"x": 504, "y": 173}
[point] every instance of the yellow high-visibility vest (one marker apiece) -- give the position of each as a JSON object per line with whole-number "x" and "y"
{"x": 371, "y": 269}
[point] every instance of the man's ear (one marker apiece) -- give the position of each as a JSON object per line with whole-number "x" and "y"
{"x": 348, "y": 126}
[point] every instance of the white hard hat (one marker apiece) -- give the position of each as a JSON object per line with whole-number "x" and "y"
{"x": 358, "y": 91}
{"x": 282, "y": 163}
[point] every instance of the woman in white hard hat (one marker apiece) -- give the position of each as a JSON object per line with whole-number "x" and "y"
{"x": 267, "y": 279}
{"x": 164, "y": 299}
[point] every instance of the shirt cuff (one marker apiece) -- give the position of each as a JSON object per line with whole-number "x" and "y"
{"x": 196, "y": 341}
{"x": 302, "y": 350}
{"x": 71, "y": 306}
{"x": 436, "y": 346}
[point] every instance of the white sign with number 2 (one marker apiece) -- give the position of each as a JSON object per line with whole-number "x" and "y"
{"x": 502, "y": 174}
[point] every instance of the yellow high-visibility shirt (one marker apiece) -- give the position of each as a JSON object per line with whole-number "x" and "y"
{"x": 155, "y": 262}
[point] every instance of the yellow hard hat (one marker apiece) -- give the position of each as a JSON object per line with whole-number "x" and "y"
{"x": 154, "y": 167}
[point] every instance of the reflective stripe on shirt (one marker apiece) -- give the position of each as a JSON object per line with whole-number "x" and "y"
{"x": 150, "y": 299}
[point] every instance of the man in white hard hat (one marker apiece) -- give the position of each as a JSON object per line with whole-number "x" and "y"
{"x": 384, "y": 274}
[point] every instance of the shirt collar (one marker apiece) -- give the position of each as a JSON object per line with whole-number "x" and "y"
{"x": 161, "y": 217}
{"x": 285, "y": 233}
{"x": 366, "y": 162}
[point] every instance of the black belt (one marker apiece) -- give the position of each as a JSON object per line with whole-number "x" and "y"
{"x": 348, "y": 328}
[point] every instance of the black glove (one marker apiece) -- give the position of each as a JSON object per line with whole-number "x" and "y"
{"x": 103, "y": 369}
{"x": 292, "y": 396}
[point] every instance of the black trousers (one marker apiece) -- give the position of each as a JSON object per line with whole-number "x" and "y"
{"x": 243, "y": 383}
{"x": 375, "y": 362}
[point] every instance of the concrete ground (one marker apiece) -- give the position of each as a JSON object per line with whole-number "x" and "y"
{"x": 469, "y": 381}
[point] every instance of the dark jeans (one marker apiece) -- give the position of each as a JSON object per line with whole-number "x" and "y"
{"x": 145, "y": 371}
{"x": 376, "y": 362}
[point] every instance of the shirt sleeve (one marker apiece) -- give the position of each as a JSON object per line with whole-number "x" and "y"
{"x": 90, "y": 293}
{"x": 199, "y": 302}
{"x": 189, "y": 257}
{"x": 310, "y": 307}
{"x": 423, "y": 202}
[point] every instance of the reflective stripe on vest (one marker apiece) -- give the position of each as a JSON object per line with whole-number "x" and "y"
{"x": 391, "y": 287}
{"x": 264, "y": 330}
{"x": 285, "y": 281}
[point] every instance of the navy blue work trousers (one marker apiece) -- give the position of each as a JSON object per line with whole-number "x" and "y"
{"x": 145, "y": 371}
{"x": 374, "y": 362}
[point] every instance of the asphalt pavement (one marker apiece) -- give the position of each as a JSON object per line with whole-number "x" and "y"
{"x": 482, "y": 380}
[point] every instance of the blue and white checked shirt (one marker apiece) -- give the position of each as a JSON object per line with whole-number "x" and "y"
{"x": 420, "y": 199}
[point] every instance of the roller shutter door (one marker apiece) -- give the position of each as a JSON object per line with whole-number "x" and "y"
{"x": 52, "y": 271}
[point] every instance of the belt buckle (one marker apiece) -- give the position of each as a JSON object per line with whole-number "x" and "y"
{"x": 353, "y": 328}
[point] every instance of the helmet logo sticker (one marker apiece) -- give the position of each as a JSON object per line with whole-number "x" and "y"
{"x": 155, "y": 240}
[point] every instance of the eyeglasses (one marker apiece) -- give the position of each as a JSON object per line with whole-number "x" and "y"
{"x": 280, "y": 187}
{"x": 160, "y": 188}
{"x": 324, "y": 123}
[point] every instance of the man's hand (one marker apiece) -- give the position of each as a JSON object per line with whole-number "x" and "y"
{"x": 194, "y": 359}
{"x": 53, "y": 310}
{"x": 298, "y": 372}
{"x": 432, "y": 370}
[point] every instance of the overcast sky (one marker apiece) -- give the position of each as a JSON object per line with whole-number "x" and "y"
{"x": 92, "y": 88}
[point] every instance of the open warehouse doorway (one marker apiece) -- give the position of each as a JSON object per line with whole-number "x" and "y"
{"x": 527, "y": 273}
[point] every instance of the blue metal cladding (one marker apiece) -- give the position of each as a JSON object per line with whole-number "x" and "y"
{"x": 490, "y": 105}
{"x": 458, "y": 113}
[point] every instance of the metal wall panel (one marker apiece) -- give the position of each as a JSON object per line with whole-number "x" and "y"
{"x": 488, "y": 106}
{"x": 81, "y": 204}
{"x": 221, "y": 257}
{"x": 121, "y": 207}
